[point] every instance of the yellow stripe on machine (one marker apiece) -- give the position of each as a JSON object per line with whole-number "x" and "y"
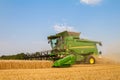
{"x": 82, "y": 47}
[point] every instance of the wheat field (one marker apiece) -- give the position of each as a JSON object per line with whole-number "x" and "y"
{"x": 24, "y": 64}
{"x": 76, "y": 72}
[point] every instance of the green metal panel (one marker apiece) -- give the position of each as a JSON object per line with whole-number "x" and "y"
{"x": 81, "y": 47}
{"x": 70, "y": 59}
{"x": 79, "y": 57}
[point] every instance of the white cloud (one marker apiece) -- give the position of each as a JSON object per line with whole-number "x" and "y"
{"x": 90, "y": 2}
{"x": 62, "y": 27}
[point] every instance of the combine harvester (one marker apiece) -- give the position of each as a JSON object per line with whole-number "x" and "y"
{"x": 68, "y": 49}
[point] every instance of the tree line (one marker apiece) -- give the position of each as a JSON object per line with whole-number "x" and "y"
{"x": 19, "y": 56}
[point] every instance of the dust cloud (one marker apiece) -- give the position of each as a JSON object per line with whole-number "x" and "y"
{"x": 112, "y": 52}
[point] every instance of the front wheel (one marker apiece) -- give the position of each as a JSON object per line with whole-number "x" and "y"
{"x": 90, "y": 60}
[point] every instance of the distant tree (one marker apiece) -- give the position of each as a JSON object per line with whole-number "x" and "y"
{"x": 20, "y": 56}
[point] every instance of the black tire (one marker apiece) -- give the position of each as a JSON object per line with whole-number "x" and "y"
{"x": 90, "y": 60}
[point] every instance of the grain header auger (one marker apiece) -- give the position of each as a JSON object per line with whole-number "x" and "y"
{"x": 68, "y": 48}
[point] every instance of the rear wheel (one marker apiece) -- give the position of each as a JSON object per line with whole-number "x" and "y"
{"x": 90, "y": 60}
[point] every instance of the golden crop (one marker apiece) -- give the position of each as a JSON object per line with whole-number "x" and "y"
{"x": 24, "y": 64}
{"x": 76, "y": 72}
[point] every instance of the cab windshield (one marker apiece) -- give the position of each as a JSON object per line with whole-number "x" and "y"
{"x": 54, "y": 42}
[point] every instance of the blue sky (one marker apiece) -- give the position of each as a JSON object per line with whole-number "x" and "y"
{"x": 25, "y": 24}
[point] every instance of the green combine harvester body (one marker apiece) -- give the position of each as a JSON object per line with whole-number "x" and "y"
{"x": 68, "y": 48}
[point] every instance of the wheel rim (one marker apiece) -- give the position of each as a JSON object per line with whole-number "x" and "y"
{"x": 92, "y": 61}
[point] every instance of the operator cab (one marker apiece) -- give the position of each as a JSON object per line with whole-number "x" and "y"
{"x": 55, "y": 41}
